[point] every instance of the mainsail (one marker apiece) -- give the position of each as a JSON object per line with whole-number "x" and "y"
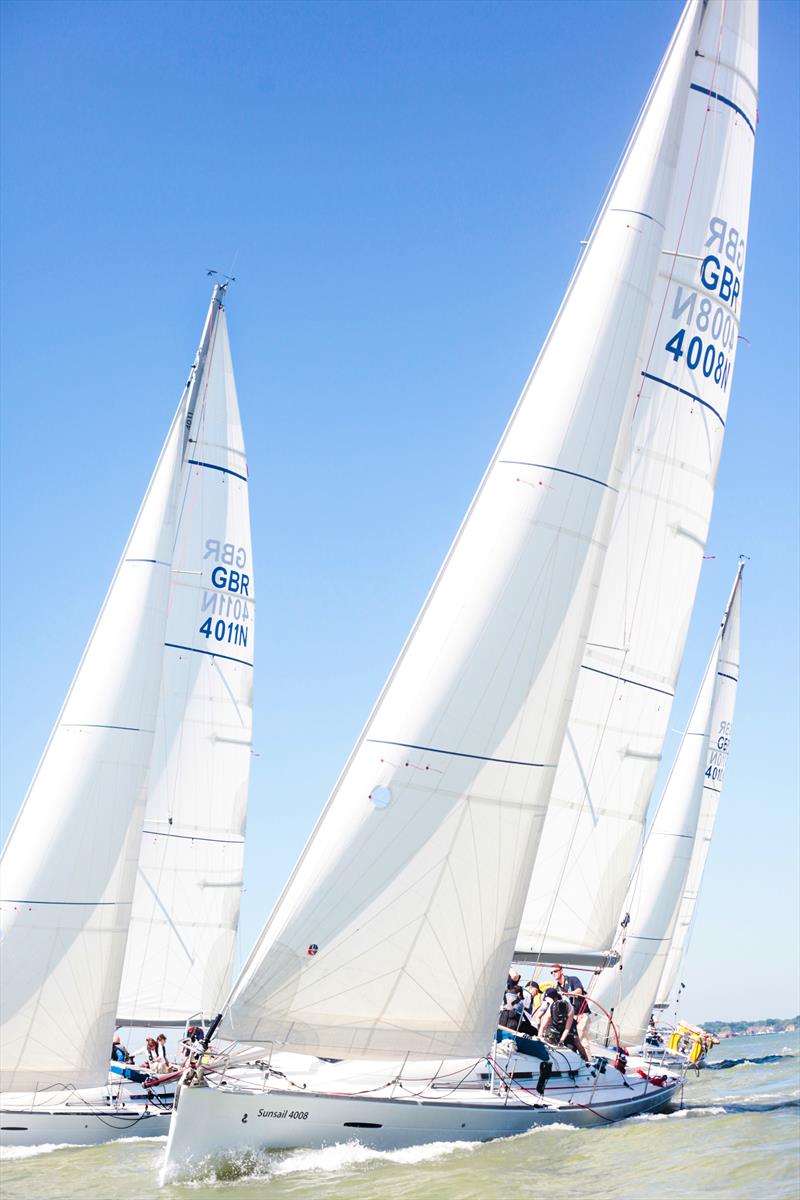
{"x": 395, "y": 930}
{"x": 658, "y": 890}
{"x": 68, "y": 867}
{"x": 619, "y": 717}
{"x": 179, "y": 958}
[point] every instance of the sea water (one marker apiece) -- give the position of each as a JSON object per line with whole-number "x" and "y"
{"x": 733, "y": 1136}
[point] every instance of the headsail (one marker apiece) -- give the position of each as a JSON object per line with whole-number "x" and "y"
{"x": 179, "y": 957}
{"x": 395, "y": 930}
{"x": 658, "y": 889}
{"x": 69, "y": 864}
{"x": 714, "y": 776}
{"x": 620, "y": 714}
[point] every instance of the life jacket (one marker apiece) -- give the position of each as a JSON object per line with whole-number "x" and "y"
{"x": 559, "y": 1015}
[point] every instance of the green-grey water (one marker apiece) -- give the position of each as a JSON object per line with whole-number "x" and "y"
{"x": 736, "y": 1137}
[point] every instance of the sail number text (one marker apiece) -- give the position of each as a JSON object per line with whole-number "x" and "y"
{"x": 230, "y": 592}
{"x": 719, "y": 753}
{"x": 708, "y": 333}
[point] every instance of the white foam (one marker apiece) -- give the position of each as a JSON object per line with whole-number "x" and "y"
{"x": 350, "y": 1154}
{"x": 713, "y": 1110}
{"x": 10, "y": 1153}
{"x": 559, "y": 1126}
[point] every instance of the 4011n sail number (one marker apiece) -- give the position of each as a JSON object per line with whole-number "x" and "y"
{"x": 719, "y": 755}
{"x": 227, "y": 602}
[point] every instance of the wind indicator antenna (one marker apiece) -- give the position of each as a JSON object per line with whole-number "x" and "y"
{"x": 223, "y": 287}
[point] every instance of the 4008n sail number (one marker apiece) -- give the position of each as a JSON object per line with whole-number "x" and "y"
{"x": 714, "y": 318}
{"x": 700, "y": 354}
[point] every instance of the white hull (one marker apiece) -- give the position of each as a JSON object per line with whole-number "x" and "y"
{"x": 85, "y": 1118}
{"x": 79, "y": 1125}
{"x": 217, "y": 1121}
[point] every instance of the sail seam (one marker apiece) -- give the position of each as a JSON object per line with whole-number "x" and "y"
{"x": 75, "y": 903}
{"x": 622, "y": 679}
{"x": 195, "y": 462}
{"x": 211, "y": 653}
{"x": 638, "y": 213}
{"x": 509, "y": 762}
{"x": 159, "y": 562}
{"x": 513, "y": 462}
{"x": 684, "y": 392}
{"x": 87, "y": 725}
{"x": 695, "y": 87}
{"x": 190, "y": 837}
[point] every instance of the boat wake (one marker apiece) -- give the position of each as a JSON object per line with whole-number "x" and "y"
{"x": 255, "y": 1164}
{"x": 726, "y": 1064}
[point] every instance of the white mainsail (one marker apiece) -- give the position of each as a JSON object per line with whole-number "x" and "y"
{"x": 712, "y": 789}
{"x": 658, "y": 889}
{"x": 394, "y": 932}
{"x": 179, "y": 958}
{"x": 69, "y": 864}
{"x": 620, "y": 713}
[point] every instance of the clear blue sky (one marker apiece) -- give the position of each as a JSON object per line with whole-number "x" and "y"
{"x": 401, "y": 190}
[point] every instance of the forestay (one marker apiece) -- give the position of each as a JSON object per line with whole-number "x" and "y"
{"x": 179, "y": 957}
{"x": 721, "y": 733}
{"x": 659, "y": 886}
{"x": 620, "y": 714}
{"x": 394, "y": 932}
{"x": 69, "y": 864}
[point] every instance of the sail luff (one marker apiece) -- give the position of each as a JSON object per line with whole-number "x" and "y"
{"x": 185, "y": 912}
{"x": 399, "y": 920}
{"x": 69, "y": 862}
{"x": 619, "y": 719}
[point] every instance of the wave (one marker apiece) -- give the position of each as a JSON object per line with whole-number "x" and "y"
{"x": 726, "y": 1064}
{"x": 10, "y": 1153}
{"x": 699, "y": 1110}
{"x": 349, "y": 1154}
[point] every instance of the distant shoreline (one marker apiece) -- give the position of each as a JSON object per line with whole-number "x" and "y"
{"x": 728, "y": 1029}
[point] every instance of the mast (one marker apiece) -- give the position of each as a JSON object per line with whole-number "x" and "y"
{"x": 620, "y": 715}
{"x": 659, "y": 884}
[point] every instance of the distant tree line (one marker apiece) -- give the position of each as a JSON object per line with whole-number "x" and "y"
{"x": 776, "y": 1024}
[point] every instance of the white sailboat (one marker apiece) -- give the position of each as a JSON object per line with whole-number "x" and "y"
{"x": 67, "y": 894}
{"x": 390, "y": 942}
{"x": 656, "y": 908}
